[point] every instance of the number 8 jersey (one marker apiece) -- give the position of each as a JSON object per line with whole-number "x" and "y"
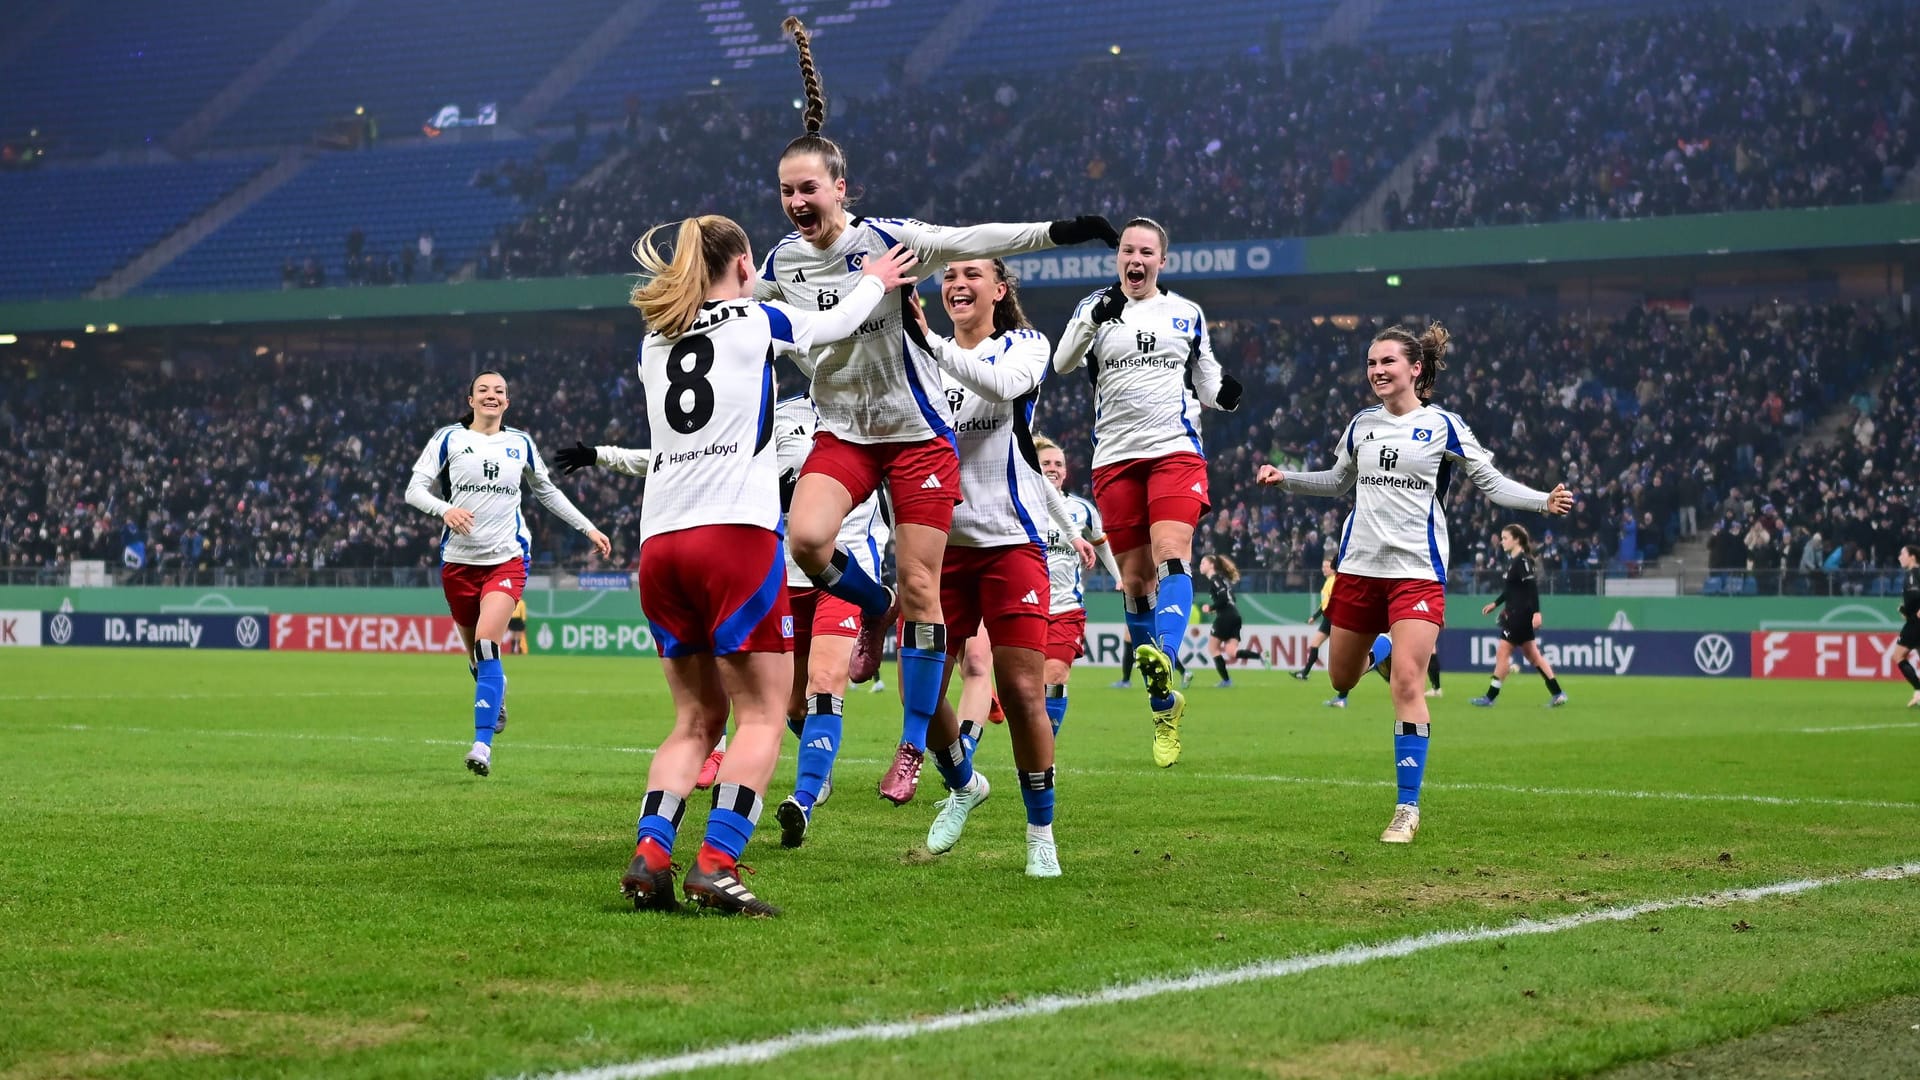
{"x": 710, "y": 400}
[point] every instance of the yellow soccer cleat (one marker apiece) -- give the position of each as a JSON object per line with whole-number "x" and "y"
{"x": 1155, "y": 670}
{"x": 1166, "y": 730}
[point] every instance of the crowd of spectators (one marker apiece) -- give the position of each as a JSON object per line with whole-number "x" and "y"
{"x": 1684, "y": 113}
{"x": 1664, "y": 424}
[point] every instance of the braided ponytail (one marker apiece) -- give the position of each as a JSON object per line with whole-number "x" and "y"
{"x": 814, "y": 115}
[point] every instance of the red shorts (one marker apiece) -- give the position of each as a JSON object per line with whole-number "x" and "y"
{"x": 1370, "y": 605}
{"x": 1133, "y": 494}
{"x": 697, "y": 603}
{"x": 819, "y": 613}
{"x": 1067, "y": 635}
{"x": 465, "y": 585}
{"x": 1005, "y": 588}
{"x": 922, "y": 478}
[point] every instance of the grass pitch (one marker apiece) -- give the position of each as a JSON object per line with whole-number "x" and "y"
{"x": 275, "y": 865}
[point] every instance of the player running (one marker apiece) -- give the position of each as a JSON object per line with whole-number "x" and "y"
{"x": 1224, "y": 636}
{"x": 711, "y": 573}
{"x": 480, "y": 465}
{"x": 1521, "y": 595}
{"x": 995, "y": 570}
{"x": 1152, "y": 368}
{"x": 1393, "y": 550}
{"x": 1909, "y": 639}
{"x": 1327, "y": 574}
{"x": 1067, "y": 620}
{"x": 883, "y": 419}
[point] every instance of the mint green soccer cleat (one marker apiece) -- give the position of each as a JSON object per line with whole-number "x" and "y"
{"x": 952, "y": 818}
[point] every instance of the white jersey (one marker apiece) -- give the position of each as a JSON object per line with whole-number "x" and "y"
{"x": 483, "y": 474}
{"x": 990, "y": 389}
{"x": 866, "y": 530}
{"x": 710, "y": 400}
{"x": 878, "y": 386}
{"x": 1152, "y": 371}
{"x": 1403, "y": 465}
{"x": 1063, "y": 563}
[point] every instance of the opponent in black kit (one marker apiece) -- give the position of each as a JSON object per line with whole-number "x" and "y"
{"x": 1910, "y": 629}
{"x": 1521, "y": 618}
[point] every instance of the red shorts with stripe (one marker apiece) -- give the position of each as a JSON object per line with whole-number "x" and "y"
{"x": 465, "y": 585}
{"x": 922, "y": 478}
{"x": 1369, "y": 605}
{"x": 819, "y": 613}
{"x": 1004, "y": 588}
{"x": 696, "y": 603}
{"x": 1067, "y": 635}
{"x": 1133, "y": 494}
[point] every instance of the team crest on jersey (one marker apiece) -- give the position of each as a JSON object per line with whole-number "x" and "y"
{"x": 513, "y": 452}
{"x": 1422, "y": 434}
{"x": 1145, "y": 340}
{"x": 1389, "y": 457}
{"x": 855, "y": 261}
{"x": 1183, "y": 325}
{"x": 490, "y": 469}
{"x": 956, "y": 397}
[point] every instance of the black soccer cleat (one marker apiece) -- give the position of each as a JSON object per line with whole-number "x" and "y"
{"x": 650, "y": 890}
{"x": 723, "y": 889}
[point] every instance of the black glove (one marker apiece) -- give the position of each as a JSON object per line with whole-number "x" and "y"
{"x": 1082, "y": 229}
{"x": 1229, "y": 396}
{"x": 789, "y": 479}
{"x": 576, "y": 457}
{"x": 1113, "y": 301}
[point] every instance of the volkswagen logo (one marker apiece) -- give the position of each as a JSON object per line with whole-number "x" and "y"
{"x": 247, "y": 632}
{"x": 1713, "y": 654}
{"x": 60, "y": 629}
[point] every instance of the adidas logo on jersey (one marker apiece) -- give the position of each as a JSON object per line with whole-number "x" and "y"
{"x": 821, "y": 743}
{"x": 932, "y": 484}
{"x": 1422, "y": 606}
{"x": 1032, "y": 597}
{"x": 799, "y": 277}
{"x": 1407, "y": 763}
{"x": 849, "y": 623}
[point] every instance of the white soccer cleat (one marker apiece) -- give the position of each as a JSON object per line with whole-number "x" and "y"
{"x": 877, "y": 686}
{"x": 1435, "y": 692}
{"x": 1043, "y": 858}
{"x": 1914, "y": 701}
{"x": 952, "y": 818}
{"x": 480, "y": 759}
{"x": 1406, "y": 822}
{"x": 826, "y": 792}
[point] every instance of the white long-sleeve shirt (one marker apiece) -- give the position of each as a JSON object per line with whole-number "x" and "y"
{"x": 1063, "y": 563}
{"x": 484, "y": 474}
{"x": 1403, "y": 466}
{"x": 1152, "y": 370}
{"x": 877, "y": 386}
{"x": 867, "y": 528}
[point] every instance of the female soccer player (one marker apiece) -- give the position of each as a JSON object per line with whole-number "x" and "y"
{"x": 1067, "y": 621}
{"x": 1520, "y": 619}
{"x": 480, "y": 465}
{"x": 1327, "y": 574}
{"x": 995, "y": 569}
{"x": 1224, "y": 637}
{"x": 883, "y": 419}
{"x": 1152, "y": 368}
{"x": 711, "y": 573}
{"x": 1909, "y": 639}
{"x": 1393, "y": 551}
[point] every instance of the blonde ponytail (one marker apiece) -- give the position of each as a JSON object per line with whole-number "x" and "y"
{"x": 672, "y": 289}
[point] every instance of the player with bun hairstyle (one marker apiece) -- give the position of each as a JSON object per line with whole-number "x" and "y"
{"x": 883, "y": 418}
{"x": 1393, "y": 550}
{"x": 1151, "y": 363}
{"x": 470, "y": 476}
{"x": 721, "y": 624}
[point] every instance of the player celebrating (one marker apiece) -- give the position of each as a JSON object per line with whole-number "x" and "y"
{"x": 1393, "y": 551}
{"x": 883, "y": 419}
{"x": 1152, "y": 368}
{"x": 711, "y": 572}
{"x": 1224, "y": 637}
{"x": 995, "y": 569}
{"x": 1067, "y": 620}
{"x": 485, "y": 549}
{"x": 1909, "y": 639}
{"x": 1520, "y": 619}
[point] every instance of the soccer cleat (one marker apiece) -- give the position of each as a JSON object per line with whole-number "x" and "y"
{"x": 1155, "y": 670}
{"x": 826, "y": 792}
{"x": 1335, "y": 702}
{"x": 872, "y": 639}
{"x": 1914, "y": 701}
{"x": 1435, "y": 692}
{"x": 1483, "y": 701}
{"x": 903, "y": 776}
{"x": 995, "y": 714}
{"x": 480, "y": 759}
{"x": 1043, "y": 857}
{"x": 1186, "y": 679}
{"x": 721, "y": 888}
{"x": 648, "y": 885}
{"x": 500, "y": 722}
{"x": 1406, "y": 822}
{"x": 878, "y": 686}
{"x": 1226, "y": 684}
{"x": 952, "y": 818}
{"x": 1558, "y": 700}
{"x": 1121, "y": 684}
{"x": 1166, "y": 731}
{"x": 709, "y": 770}
{"x": 794, "y": 820}
{"x": 1301, "y": 675}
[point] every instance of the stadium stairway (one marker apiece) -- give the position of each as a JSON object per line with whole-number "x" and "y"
{"x": 1369, "y": 216}
{"x": 961, "y": 20}
{"x": 235, "y": 93}
{"x": 176, "y": 243}
{"x": 565, "y": 75}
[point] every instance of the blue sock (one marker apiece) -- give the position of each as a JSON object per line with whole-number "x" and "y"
{"x": 1036, "y": 790}
{"x": 1139, "y": 616}
{"x": 1409, "y": 759}
{"x": 660, "y": 815}
{"x": 970, "y": 732}
{"x": 845, "y": 578}
{"x": 1382, "y": 649}
{"x": 736, "y": 810}
{"x": 819, "y": 745}
{"x": 923, "y": 659}
{"x": 489, "y": 690}
{"x": 955, "y": 765}
{"x": 1172, "y": 607}
{"x": 1057, "y": 705}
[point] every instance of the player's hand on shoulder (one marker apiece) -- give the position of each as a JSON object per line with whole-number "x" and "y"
{"x": 1269, "y": 475}
{"x": 1081, "y": 229}
{"x": 1113, "y": 301}
{"x": 1559, "y": 500}
{"x": 576, "y": 457}
{"x": 894, "y": 268}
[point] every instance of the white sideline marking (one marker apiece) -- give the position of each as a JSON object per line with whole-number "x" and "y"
{"x": 763, "y": 1050}
{"x": 1857, "y": 727}
{"x": 301, "y": 736}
